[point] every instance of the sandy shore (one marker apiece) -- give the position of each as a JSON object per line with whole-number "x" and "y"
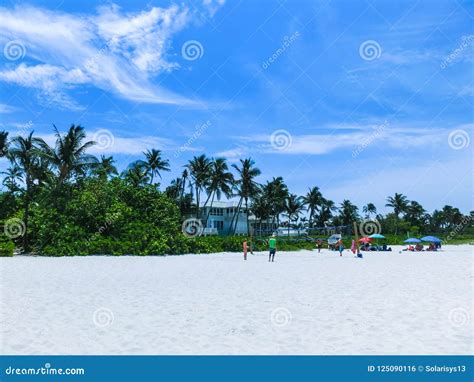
{"x": 304, "y": 303}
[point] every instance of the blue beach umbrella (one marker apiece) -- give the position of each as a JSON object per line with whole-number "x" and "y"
{"x": 431, "y": 239}
{"x": 377, "y": 236}
{"x": 412, "y": 240}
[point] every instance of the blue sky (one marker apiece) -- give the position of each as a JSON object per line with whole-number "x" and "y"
{"x": 361, "y": 98}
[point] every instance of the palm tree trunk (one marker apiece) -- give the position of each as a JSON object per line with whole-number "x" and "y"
{"x": 197, "y": 202}
{"x": 207, "y": 200}
{"x": 26, "y": 214}
{"x": 210, "y": 207}
{"x": 232, "y": 221}
{"x": 247, "y": 214}
{"x": 233, "y": 225}
{"x": 289, "y": 220}
{"x": 237, "y": 215}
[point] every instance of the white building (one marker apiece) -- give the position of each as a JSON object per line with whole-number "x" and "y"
{"x": 219, "y": 218}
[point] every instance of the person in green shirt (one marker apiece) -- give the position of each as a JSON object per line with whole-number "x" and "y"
{"x": 272, "y": 242}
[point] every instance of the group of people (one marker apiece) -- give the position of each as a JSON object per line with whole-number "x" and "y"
{"x": 419, "y": 247}
{"x": 370, "y": 247}
{"x": 339, "y": 246}
{"x": 272, "y": 247}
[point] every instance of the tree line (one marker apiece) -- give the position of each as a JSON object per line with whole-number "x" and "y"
{"x": 40, "y": 175}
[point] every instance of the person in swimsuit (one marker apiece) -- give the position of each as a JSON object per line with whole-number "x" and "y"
{"x": 340, "y": 246}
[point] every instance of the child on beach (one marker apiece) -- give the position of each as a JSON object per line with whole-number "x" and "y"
{"x": 340, "y": 246}
{"x": 245, "y": 248}
{"x": 272, "y": 248}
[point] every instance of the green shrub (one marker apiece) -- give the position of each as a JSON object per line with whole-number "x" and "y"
{"x": 6, "y": 246}
{"x": 109, "y": 218}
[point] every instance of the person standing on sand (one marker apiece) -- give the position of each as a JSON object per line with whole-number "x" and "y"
{"x": 245, "y": 248}
{"x": 272, "y": 247}
{"x": 340, "y": 246}
{"x": 319, "y": 244}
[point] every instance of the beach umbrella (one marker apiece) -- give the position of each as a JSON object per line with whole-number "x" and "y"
{"x": 412, "y": 240}
{"x": 377, "y": 236}
{"x": 431, "y": 239}
{"x": 365, "y": 239}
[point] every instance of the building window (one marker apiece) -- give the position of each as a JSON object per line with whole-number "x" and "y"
{"x": 217, "y": 211}
{"x": 219, "y": 225}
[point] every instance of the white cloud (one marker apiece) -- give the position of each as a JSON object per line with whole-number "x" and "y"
{"x": 112, "y": 50}
{"x": 116, "y": 144}
{"x": 213, "y": 5}
{"x": 4, "y": 108}
{"x": 355, "y": 137}
{"x": 433, "y": 183}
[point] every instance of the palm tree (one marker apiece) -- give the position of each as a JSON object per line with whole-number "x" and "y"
{"x": 23, "y": 153}
{"x": 69, "y": 154}
{"x": 261, "y": 209}
{"x": 416, "y": 214}
{"x": 326, "y": 212}
{"x": 304, "y": 222}
{"x": 174, "y": 190}
{"x": 184, "y": 178}
{"x": 294, "y": 205}
{"x": 313, "y": 199}
{"x": 136, "y": 175}
{"x": 276, "y": 191}
{"x": 13, "y": 175}
{"x": 399, "y": 203}
{"x": 247, "y": 186}
{"x": 3, "y": 143}
{"x": 221, "y": 181}
{"x": 348, "y": 212}
{"x": 369, "y": 209}
{"x": 199, "y": 169}
{"x": 451, "y": 216}
{"x": 104, "y": 168}
{"x": 154, "y": 163}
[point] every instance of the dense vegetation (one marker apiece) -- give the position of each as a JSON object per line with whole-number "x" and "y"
{"x": 62, "y": 201}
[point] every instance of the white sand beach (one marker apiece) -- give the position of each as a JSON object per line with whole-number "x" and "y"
{"x": 304, "y": 303}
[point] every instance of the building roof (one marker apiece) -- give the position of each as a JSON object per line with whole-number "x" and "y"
{"x": 221, "y": 204}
